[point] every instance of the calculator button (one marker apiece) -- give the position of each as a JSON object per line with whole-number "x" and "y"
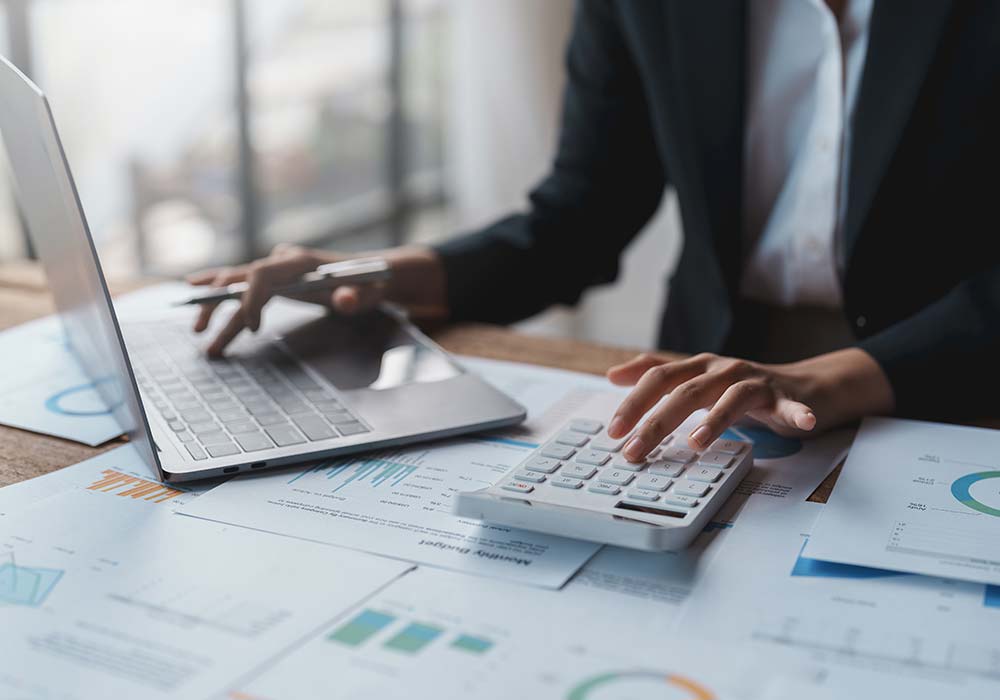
{"x": 653, "y": 453}
{"x": 691, "y": 488}
{"x": 542, "y": 464}
{"x": 683, "y": 501}
{"x": 649, "y": 482}
{"x": 578, "y": 471}
{"x": 671, "y": 469}
{"x": 729, "y": 447}
{"x": 616, "y": 476}
{"x": 518, "y": 486}
{"x": 607, "y": 489}
{"x": 533, "y": 477}
{"x": 585, "y": 425}
{"x": 643, "y": 495}
{"x": 715, "y": 459}
{"x": 595, "y": 457}
{"x": 706, "y": 474}
{"x": 620, "y": 462}
{"x": 681, "y": 455}
{"x": 565, "y": 482}
{"x": 607, "y": 444}
{"x": 571, "y": 437}
{"x": 557, "y": 451}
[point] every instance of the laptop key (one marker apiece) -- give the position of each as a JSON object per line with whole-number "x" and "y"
{"x": 196, "y": 415}
{"x": 271, "y": 419}
{"x": 340, "y": 417}
{"x": 284, "y": 435}
{"x": 176, "y": 425}
{"x": 351, "y": 428}
{"x": 223, "y": 450}
{"x": 231, "y": 414}
{"x": 195, "y": 451}
{"x": 314, "y": 427}
{"x": 241, "y": 426}
{"x": 251, "y": 442}
{"x": 215, "y": 438}
{"x": 185, "y": 436}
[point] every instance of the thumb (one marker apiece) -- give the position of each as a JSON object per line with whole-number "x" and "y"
{"x": 794, "y": 414}
{"x": 351, "y": 299}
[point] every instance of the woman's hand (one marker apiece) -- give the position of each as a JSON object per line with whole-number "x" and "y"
{"x": 791, "y": 399}
{"x": 417, "y": 284}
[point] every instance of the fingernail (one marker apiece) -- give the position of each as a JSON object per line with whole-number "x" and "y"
{"x": 635, "y": 448}
{"x": 700, "y": 435}
{"x": 617, "y": 427}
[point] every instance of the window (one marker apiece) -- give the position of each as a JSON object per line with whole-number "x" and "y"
{"x": 202, "y": 132}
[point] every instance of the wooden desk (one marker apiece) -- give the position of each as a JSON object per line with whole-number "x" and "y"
{"x": 24, "y": 296}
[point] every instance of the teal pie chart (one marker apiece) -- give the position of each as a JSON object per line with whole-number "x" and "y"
{"x": 962, "y": 489}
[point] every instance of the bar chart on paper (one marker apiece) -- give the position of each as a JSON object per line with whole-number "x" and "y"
{"x": 372, "y": 473}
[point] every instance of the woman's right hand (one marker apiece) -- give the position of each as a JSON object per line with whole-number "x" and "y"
{"x": 417, "y": 284}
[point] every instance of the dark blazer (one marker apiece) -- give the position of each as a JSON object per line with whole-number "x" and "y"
{"x": 655, "y": 96}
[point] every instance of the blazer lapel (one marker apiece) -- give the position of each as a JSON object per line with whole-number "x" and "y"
{"x": 706, "y": 44}
{"x": 902, "y": 40}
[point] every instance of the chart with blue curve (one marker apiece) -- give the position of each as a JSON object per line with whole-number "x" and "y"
{"x": 766, "y": 444}
{"x": 372, "y": 472}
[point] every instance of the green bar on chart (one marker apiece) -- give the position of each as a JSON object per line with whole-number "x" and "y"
{"x": 413, "y": 638}
{"x": 475, "y": 645}
{"x": 361, "y": 628}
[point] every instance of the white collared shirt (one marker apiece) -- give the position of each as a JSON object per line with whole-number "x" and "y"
{"x": 802, "y": 83}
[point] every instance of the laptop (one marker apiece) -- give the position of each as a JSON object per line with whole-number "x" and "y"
{"x": 317, "y": 385}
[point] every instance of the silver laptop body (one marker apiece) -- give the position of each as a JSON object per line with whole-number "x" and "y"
{"x": 315, "y": 386}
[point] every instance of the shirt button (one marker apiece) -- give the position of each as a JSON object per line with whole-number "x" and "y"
{"x": 860, "y": 321}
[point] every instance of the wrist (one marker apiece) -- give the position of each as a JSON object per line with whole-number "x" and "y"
{"x": 845, "y": 385}
{"x": 418, "y": 280}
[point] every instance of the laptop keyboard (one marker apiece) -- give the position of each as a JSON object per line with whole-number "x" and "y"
{"x": 220, "y": 408}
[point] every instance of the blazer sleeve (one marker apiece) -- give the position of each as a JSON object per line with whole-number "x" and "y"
{"x": 605, "y": 183}
{"x": 944, "y": 361}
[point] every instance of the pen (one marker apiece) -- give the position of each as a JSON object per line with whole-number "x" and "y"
{"x": 358, "y": 271}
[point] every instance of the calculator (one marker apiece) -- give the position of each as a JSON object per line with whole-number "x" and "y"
{"x": 578, "y": 484}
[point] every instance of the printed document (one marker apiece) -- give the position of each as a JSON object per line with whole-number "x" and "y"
{"x": 877, "y": 633}
{"x": 399, "y": 502}
{"x": 120, "y": 471}
{"x": 104, "y": 595}
{"x": 441, "y": 634}
{"x": 49, "y": 392}
{"x": 917, "y": 497}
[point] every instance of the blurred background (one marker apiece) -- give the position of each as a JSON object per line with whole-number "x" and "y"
{"x": 203, "y": 132}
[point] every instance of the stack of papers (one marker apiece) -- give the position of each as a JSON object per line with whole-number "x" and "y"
{"x": 352, "y": 578}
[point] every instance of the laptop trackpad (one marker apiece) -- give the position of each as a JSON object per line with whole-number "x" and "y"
{"x": 370, "y": 351}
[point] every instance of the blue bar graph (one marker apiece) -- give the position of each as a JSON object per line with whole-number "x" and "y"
{"x": 373, "y": 472}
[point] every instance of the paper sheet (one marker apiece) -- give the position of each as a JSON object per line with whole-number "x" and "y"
{"x": 445, "y": 635}
{"x": 876, "y": 633}
{"x": 398, "y": 503}
{"x": 108, "y": 596}
{"x": 636, "y": 583}
{"x": 46, "y": 391}
{"x": 917, "y": 497}
{"x": 120, "y": 472}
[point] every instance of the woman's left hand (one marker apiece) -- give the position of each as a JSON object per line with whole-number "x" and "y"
{"x": 791, "y": 399}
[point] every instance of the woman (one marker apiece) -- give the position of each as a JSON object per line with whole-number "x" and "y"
{"x": 819, "y": 151}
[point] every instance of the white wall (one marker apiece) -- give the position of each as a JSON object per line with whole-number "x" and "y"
{"x": 506, "y": 86}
